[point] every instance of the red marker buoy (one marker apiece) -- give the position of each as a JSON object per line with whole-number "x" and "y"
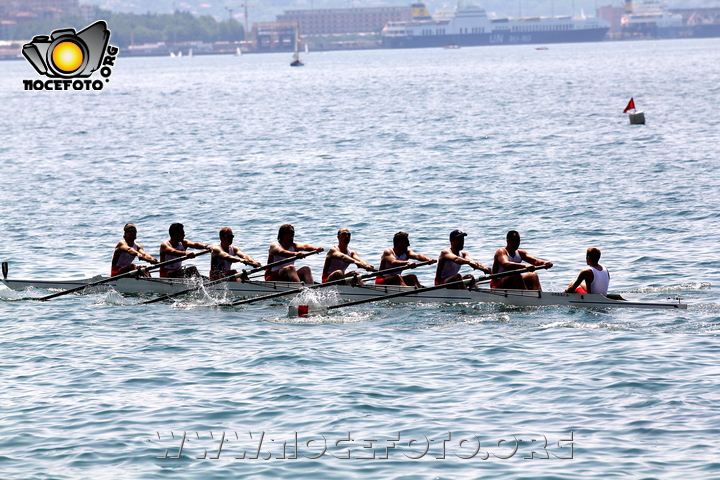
{"x": 302, "y": 310}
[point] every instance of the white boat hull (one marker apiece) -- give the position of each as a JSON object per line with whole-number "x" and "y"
{"x": 525, "y": 298}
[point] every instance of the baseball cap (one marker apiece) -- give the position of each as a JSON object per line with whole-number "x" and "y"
{"x": 457, "y": 234}
{"x": 129, "y": 226}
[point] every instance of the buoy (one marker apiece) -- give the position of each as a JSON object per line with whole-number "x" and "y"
{"x": 637, "y": 118}
{"x": 298, "y": 311}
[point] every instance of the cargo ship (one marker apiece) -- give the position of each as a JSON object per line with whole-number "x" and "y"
{"x": 471, "y": 26}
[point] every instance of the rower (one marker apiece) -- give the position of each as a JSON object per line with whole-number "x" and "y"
{"x": 286, "y": 247}
{"x": 596, "y": 278}
{"x": 225, "y": 254}
{"x": 511, "y": 258}
{"x": 400, "y": 254}
{"x": 452, "y": 259}
{"x": 175, "y": 247}
{"x": 125, "y": 252}
{"x": 340, "y": 257}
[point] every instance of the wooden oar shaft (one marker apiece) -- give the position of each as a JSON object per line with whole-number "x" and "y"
{"x": 465, "y": 281}
{"x": 131, "y": 273}
{"x": 327, "y": 284}
{"x": 226, "y": 279}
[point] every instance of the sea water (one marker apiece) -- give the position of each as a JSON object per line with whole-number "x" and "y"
{"x": 426, "y": 141}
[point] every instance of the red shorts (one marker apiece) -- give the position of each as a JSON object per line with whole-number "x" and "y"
{"x": 580, "y": 289}
{"x": 114, "y": 272}
{"x": 494, "y": 282}
{"x": 325, "y": 278}
{"x": 272, "y": 276}
{"x": 380, "y": 280}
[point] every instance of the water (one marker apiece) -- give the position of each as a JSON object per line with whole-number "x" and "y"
{"x": 426, "y": 141}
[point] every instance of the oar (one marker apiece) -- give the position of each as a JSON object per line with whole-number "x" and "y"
{"x": 328, "y": 284}
{"x": 467, "y": 281}
{"x": 227, "y": 279}
{"x": 131, "y": 273}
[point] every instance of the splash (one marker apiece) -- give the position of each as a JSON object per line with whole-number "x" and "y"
{"x": 683, "y": 287}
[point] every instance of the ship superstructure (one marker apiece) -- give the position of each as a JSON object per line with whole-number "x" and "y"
{"x": 471, "y": 26}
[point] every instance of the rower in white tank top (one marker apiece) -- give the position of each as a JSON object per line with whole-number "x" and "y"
{"x": 452, "y": 268}
{"x": 601, "y": 281}
{"x": 219, "y": 264}
{"x": 513, "y": 258}
{"x": 277, "y": 258}
{"x": 169, "y": 256}
{"x": 124, "y": 259}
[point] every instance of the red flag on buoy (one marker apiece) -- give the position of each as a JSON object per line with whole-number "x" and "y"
{"x": 630, "y": 106}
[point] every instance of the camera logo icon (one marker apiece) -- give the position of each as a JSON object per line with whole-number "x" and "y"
{"x": 68, "y": 54}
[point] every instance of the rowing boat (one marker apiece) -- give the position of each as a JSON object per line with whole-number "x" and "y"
{"x": 524, "y": 298}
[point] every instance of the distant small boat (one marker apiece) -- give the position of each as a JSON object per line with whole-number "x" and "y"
{"x": 172, "y": 55}
{"x": 451, "y": 46}
{"x": 238, "y": 52}
{"x": 296, "y": 56}
{"x": 179, "y": 54}
{"x": 541, "y": 48}
{"x": 190, "y": 53}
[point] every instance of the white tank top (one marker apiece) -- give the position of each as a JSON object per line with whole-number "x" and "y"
{"x": 451, "y": 268}
{"x": 601, "y": 281}
{"x": 277, "y": 258}
{"x": 514, "y": 258}
{"x": 125, "y": 259}
{"x": 218, "y": 264}
{"x": 383, "y": 266}
{"x": 170, "y": 256}
{"x": 338, "y": 264}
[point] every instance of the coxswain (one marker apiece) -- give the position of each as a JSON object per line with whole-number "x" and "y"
{"x": 596, "y": 278}
{"x": 176, "y": 247}
{"x": 286, "y": 247}
{"x": 511, "y": 258}
{"x": 400, "y": 255}
{"x": 224, "y": 254}
{"x": 125, "y": 252}
{"x": 452, "y": 259}
{"x": 340, "y": 257}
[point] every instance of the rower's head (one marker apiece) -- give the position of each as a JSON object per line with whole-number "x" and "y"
{"x": 593, "y": 255}
{"x": 177, "y": 231}
{"x": 286, "y": 233}
{"x": 457, "y": 239}
{"x": 344, "y": 236}
{"x": 513, "y": 239}
{"x": 401, "y": 241}
{"x": 226, "y": 236}
{"x": 130, "y": 232}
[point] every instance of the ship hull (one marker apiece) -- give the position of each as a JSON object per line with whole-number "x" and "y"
{"x": 495, "y": 38}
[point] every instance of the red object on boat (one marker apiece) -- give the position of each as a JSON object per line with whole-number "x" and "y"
{"x": 630, "y": 106}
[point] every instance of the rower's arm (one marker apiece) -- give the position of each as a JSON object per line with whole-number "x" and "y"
{"x": 390, "y": 260}
{"x": 305, "y": 247}
{"x": 584, "y": 276}
{"x": 421, "y": 257}
{"x": 144, "y": 256}
{"x": 361, "y": 263}
{"x": 277, "y": 249}
{"x": 532, "y": 260}
{"x": 245, "y": 258}
{"x": 196, "y": 245}
{"x": 474, "y": 264}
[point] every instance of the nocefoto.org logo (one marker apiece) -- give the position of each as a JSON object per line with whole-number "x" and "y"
{"x": 68, "y": 56}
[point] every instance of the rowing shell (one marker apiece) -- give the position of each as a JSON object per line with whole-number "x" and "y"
{"x": 524, "y": 298}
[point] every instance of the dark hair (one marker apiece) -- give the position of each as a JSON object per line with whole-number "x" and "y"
{"x": 593, "y": 254}
{"x": 224, "y": 231}
{"x": 175, "y": 228}
{"x": 287, "y": 228}
{"x": 400, "y": 236}
{"x": 512, "y": 234}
